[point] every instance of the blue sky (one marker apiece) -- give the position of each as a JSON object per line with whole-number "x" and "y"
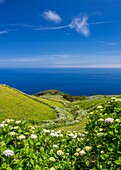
{"x": 63, "y": 33}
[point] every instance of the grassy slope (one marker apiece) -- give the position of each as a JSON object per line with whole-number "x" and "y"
{"x": 48, "y": 101}
{"x": 78, "y": 127}
{"x": 87, "y": 104}
{"x": 15, "y": 104}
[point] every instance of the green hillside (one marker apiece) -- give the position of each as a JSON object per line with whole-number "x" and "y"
{"x": 51, "y": 108}
{"x": 15, "y": 104}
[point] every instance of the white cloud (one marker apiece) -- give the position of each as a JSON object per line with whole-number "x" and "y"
{"x": 2, "y": 1}
{"x": 80, "y": 25}
{"x": 3, "y": 32}
{"x": 51, "y": 28}
{"x": 108, "y": 43}
{"x": 101, "y": 22}
{"x": 52, "y": 16}
{"x": 23, "y": 25}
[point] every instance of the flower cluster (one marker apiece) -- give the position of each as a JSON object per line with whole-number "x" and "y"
{"x": 8, "y": 153}
{"x": 109, "y": 120}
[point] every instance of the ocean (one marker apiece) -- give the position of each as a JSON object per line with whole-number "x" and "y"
{"x": 75, "y": 81}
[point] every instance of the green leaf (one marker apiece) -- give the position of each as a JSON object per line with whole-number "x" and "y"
{"x": 102, "y": 157}
{"x": 109, "y": 162}
{"x": 32, "y": 161}
{"x": 87, "y": 163}
{"x": 4, "y": 165}
{"x": 118, "y": 162}
{"x": 8, "y": 168}
{"x": 110, "y": 147}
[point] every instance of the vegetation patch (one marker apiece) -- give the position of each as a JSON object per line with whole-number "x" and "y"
{"x": 26, "y": 147}
{"x": 16, "y": 104}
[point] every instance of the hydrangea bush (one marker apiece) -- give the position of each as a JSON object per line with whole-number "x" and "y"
{"x": 27, "y": 147}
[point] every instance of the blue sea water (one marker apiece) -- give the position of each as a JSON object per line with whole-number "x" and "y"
{"x": 81, "y": 81}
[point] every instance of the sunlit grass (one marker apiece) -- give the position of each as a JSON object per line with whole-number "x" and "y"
{"x": 14, "y": 104}
{"x": 49, "y": 101}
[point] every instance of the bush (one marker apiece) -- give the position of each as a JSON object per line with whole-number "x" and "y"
{"x": 26, "y": 147}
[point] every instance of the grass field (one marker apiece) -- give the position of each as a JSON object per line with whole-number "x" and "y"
{"x": 48, "y": 101}
{"x": 18, "y": 105}
{"x": 15, "y": 104}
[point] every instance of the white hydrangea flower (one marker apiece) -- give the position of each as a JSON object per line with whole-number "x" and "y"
{"x": 74, "y": 136}
{"x": 82, "y": 152}
{"x": 76, "y": 154}
{"x": 88, "y": 148}
{"x": 21, "y": 137}
{"x": 33, "y": 136}
{"x": 118, "y": 100}
{"x": 18, "y": 122}
{"x": 16, "y": 127}
{"x": 55, "y": 146}
{"x": 46, "y": 131}
{"x": 52, "y": 159}
{"x": 8, "y": 153}
{"x": 101, "y": 129}
{"x": 99, "y": 107}
{"x": 58, "y": 132}
{"x": 2, "y": 125}
{"x": 8, "y": 120}
{"x": 82, "y": 135}
{"x": 109, "y": 120}
{"x": 60, "y": 135}
{"x": 60, "y": 152}
{"x": 102, "y": 152}
{"x": 52, "y": 134}
{"x": 52, "y": 168}
{"x": 71, "y": 134}
{"x": 78, "y": 149}
{"x": 12, "y": 133}
{"x": 100, "y": 134}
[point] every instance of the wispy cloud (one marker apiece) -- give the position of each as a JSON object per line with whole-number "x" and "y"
{"x": 3, "y": 32}
{"x": 23, "y": 25}
{"x": 2, "y": 1}
{"x": 52, "y": 16}
{"x": 62, "y": 61}
{"x": 51, "y": 28}
{"x": 108, "y": 43}
{"x": 102, "y": 22}
{"x": 20, "y": 60}
{"x": 80, "y": 25}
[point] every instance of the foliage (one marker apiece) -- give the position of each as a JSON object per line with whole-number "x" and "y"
{"x": 24, "y": 147}
{"x": 49, "y": 92}
{"x": 73, "y": 98}
{"x": 104, "y": 135}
